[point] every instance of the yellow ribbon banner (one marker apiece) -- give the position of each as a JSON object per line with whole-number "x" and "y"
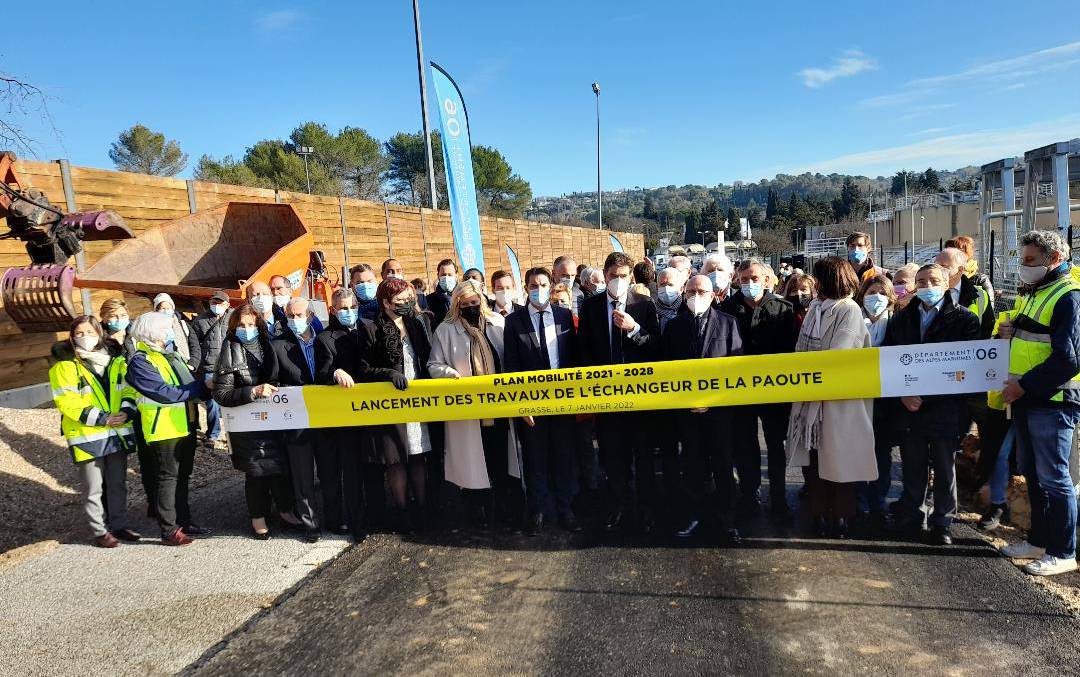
{"x": 945, "y": 368}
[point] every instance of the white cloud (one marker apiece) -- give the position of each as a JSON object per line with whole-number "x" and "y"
{"x": 954, "y": 150}
{"x": 1020, "y": 66}
{"x": 932, "y": 130}
{"x": 852, "y": 62}
{"x": 278, "y": 20}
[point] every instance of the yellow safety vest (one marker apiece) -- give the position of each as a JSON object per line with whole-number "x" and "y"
{"x": 161, "y": 421}
{"x": 84, "y": 406}
{"x": 1030, "y": 346}
{"x": 982, "y": 301}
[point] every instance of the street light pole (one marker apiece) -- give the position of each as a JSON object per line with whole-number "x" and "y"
{"x": 599, "y": 193}
{"x": 304, "y": 152}
{"x": 423, "y": 102}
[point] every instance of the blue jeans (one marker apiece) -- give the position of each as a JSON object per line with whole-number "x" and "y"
{"x": 1044, "y": 438}
{"x": 999, "y": 478}
{"x": 213, "y": 419}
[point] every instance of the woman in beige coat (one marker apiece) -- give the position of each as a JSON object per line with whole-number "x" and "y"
{"x": 834, "y": 438}
{"x": 481, "y": 455}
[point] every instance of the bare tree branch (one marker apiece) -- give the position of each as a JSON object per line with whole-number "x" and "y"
{"x": 20, "y": 99}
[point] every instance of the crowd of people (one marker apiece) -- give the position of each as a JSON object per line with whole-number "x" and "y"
{"x": 134, "y": 386}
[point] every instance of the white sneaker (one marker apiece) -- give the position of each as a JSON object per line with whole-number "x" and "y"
{"x": 1022, "y": 550}
{"x": 1049, "y": 565}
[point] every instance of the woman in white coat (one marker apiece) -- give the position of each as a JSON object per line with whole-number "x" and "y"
{"x": 481, "y": 455}
{"x": 834, "y": 438}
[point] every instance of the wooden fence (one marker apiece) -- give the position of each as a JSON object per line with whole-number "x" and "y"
{"x": 348, "y": 232}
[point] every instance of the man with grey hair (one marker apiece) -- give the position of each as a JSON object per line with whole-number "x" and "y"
{"x": 930, "y": 426}
{"x": 682, "y": 264}
{"x": 767, "y": 327}
{"x": 294, "y": 351}
{"x": 963, "y": 290}
{"x": 718, "y": 268}
{"x": 1043, "y": 391}
{"x": 669, "y": 290}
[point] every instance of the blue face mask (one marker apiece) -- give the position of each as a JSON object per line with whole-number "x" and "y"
{"x": 448, "y": 283}
{"x": 931, "y": 296}
{"x": 114, "y": 325}
{"x": 347, "y": 316}
{"x": 856, "y": 256}
{"x": 365, "y": 291}
{"x": 753, "y": 290}
{"x": 540, "y": 296}
{"x": 875, "y": 304}
{"x": 218, "y": 308}
{"x": 298, "y": 325}
{"x": 247, "y": 334}
{"x": 667, "y": 294}
{"x": 170, "y": 338}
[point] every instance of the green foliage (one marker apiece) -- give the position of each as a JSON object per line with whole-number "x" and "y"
{"x": 352, "y": 158}
{"x": 144, "y": 151}
{"x": 499, "y": 191}
{"x": 228, "y": 170}
{"x": 407, "y": 168}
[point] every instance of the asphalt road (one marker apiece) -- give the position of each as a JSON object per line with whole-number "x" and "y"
{"x": 481, "y": 604}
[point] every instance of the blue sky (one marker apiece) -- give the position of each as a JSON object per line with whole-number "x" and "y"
{"x": 692, "y": 92}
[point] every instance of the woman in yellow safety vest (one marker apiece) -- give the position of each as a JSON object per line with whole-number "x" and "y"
{"x": 96, "y": 407}
{"x": 167, "y": 397}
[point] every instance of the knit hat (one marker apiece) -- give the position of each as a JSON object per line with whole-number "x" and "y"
{"x": 162, "y": 297}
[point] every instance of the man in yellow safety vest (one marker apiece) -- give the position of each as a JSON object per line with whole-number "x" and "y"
{"x": 1043, "y": 391}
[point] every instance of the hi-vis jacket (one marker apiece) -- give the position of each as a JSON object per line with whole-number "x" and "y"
{"x": 164, "y": 393}
{"x": 1045, "y": 348}
{"x": 85, "y": 402}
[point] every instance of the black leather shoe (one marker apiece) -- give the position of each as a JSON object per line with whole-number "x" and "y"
{"x": 646, "y": 522}
{"x": 570, "y": 523}
{"x": 312, "y": 535}
{"x": 939, "y": 536}
{"x": 730, "y": 536}
{"x": 260, "y": 536}
{"x": 536, "y": 525}
{"x": 821, "y": 527}
{"x": 196, "y": 530}
{"x": 341, "y": 530}
{"x": 614, "y": 520}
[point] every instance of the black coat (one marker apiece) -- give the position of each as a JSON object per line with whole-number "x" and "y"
{"x": 259, "y": 454}
{"x": 438, "y": 304}
{"x": 204, "y": 342}
{"x": 594, "y": 341}
{"x": 721, "y": 338}
{"x": 338, "y": 348}
{"x": 521, "y": 345}
{"x": 376, "y": 363}
{"x": 767, "y": 328}
{"x": 291, "y": 369}
{"x": 939, "y": 414}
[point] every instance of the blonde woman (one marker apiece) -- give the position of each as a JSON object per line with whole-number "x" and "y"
{"x": 469, "y": 342}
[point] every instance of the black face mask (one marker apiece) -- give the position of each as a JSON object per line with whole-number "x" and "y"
{"x": 470, "y": 314}
{"x": 800, "y": 300}
{"x": 403, "y": 309}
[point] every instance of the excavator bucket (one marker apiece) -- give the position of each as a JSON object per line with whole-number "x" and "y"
{"x": 224, "y": 248}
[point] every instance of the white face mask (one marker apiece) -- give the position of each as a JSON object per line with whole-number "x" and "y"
{"x": 698, "y": 304}
{"x": 618, "y": 286}
{"x": 1032, "y": 274}
{"x": 86, "y": 343}
{"x": 504, "y": 297}
{"x": 262, "y": 303}
{"x": 281, "y": 301}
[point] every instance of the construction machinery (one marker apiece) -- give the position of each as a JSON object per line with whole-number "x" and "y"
{"x": 228, "y": 247}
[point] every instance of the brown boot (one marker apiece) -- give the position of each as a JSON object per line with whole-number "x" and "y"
{"x": 106, "y": 541}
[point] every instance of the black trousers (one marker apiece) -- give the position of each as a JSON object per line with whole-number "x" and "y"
{"x": 620, "y": 453}
{"x": 148, "y": 470}
{"x": 174, "y": 461}
{"x": 331, "y": 447}
{"x": 301, "y": 451}
{"x": 263, "y": 493}
{"x": 548, "y": 449}
{"x": 774, "y": 422}
{"x": 705, "y": 448}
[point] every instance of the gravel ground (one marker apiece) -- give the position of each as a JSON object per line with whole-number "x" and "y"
{"x": 40, "y": 491}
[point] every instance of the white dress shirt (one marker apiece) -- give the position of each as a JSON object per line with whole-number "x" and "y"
{"x": 551, "y": 336}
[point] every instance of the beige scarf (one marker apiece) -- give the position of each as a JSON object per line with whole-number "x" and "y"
{"x": 483, "y": 362}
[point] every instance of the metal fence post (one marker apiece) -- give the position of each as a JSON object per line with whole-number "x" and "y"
{"x": 423, "y": 239}
{"x": 80, "y": 257}
{"x": 344, "y": 234}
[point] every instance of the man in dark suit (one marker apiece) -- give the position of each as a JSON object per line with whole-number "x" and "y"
{"x": 539, "y": 337}
{"x": 620, "y": 327}
{"x": 932, "y": 423}
{"x": 438, "y": 301}
{"x": 701, "y": 330}
{"x": 294, "y": 351}
{"x": 504, "y": 287}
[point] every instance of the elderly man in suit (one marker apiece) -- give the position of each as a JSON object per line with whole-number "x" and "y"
{"x": 538, "y": 337}
{"x": 620, "y": 327}
{"x": 702, "y": 330}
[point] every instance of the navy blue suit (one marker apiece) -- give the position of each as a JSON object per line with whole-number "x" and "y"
{"x": 549, "y": 444}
